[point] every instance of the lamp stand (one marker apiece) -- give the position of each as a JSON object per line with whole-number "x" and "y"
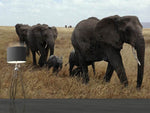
{"x": 14, "y": 83}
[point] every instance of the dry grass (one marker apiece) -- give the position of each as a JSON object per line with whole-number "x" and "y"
{"x": 41, "y": 83}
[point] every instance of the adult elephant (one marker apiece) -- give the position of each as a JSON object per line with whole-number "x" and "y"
{"x": 96, "y": 40}
{"x": 41, "y": 38}
{"x": 21, "y": 30}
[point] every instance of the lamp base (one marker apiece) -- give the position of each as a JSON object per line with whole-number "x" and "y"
{"x": 14, "y": 83}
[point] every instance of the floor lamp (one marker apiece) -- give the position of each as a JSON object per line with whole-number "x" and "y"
{"x": 16, "y": 55}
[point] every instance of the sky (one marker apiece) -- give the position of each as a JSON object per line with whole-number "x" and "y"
{"x": 68, "y": 12}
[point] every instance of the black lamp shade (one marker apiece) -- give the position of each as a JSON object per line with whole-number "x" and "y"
{"x": 16, "y": 54}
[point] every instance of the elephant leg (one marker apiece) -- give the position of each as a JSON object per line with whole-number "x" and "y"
{"x": 51, "y": 50}
{"x": 27, "y": 51}
{"x": 115, "y": 60}
{"x": 27, "y": 48}
{"x": 43, "y": 57}
{"x": 93, "y": 66}
{"x": 47, "y": 48}
{"x": 34, "y": 57}
{"x": 55, "y": 69}
{"x": 84, "y": 68}
{"x": 41, "y": 63}
{"x": 21, "y": 41}
{"x": 70, "y": 69}
{"x": 49, "y": 66}
{"x": 109, "y": 73}
{"x": 85, "y": 74}
{"x": 60, "y": 67}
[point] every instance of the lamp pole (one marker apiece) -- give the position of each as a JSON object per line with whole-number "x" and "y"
{"x": 14, "y": 82}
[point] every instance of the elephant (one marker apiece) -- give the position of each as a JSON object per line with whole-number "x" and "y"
{"x": 69, "y": 26}
{"x": 74, "y": 61}
{"x": 41, "y": 38}
{"x": 97, "y": 40}
{"x": 55, "y": 62}
{"x": 21, "y": 30}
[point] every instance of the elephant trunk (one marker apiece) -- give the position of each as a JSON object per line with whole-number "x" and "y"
{"x": 140, "y": 48}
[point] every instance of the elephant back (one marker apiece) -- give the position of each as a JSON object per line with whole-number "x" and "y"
{"x": 106, "y": 31}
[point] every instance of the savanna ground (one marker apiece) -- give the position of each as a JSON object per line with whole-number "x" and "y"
{"x": 42, "y": 83}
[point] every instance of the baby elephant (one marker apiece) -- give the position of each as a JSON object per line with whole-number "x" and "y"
{"x": 74, "y": 61}
{"x": 55, "y": 62}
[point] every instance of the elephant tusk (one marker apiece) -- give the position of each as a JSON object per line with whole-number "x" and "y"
{"x": 46, "y": 46}
{"x": 135, "y": 55}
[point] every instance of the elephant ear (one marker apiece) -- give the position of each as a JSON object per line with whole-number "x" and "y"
{"x": 106, "y": 31}
{"x": 54, "y": 31}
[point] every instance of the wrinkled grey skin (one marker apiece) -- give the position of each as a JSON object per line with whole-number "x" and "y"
{"x": 55, "y": 62}
{"x": 74, "y": 61}
{"x": 41, "y": 38}
{"x": 21, "y": 30}
{"x": 97, "y": 40}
